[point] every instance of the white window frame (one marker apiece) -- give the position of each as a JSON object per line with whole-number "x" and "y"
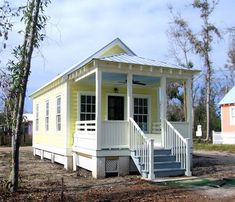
{"x": 37, "y": 118}
{"x": 58, "y": 113}
{"x": 232, "y": 115}
{"x": 83, "y": 93}
{"x": 47, "y": 107}
{"x": 149, "y": 108}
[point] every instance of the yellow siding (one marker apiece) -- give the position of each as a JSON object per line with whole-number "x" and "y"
{"x": 51, "y": 137}
{"x": 114, "y": 50}
{"x": 74, "y": 90}
{"x": 77, "y": 88}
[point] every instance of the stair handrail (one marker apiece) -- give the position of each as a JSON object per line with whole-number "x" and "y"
{"x": 142, "y": 149}
{"x": 180, "y": 146}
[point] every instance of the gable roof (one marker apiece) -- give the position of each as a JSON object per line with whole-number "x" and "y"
{"x": 116, "y": 46}
{"x": 229, "y": 98}
{"x": 115, "y": 51}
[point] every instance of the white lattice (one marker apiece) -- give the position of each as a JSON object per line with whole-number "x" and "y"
{"x": 111, "y": 165}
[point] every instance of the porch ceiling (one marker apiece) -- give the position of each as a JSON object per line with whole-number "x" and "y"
{"x": 118, "y": 78}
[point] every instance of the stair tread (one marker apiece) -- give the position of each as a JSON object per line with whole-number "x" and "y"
{"x": 166, "y": 162}
{"x": 164, "y": 155}
{"x": 169, "y": 169}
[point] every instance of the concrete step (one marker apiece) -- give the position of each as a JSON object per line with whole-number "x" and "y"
{"x": 164, "y": 158}
{"x": 162, "y": 152}
{"x": 167, "y": 164}
{"x": 169, "y": 172}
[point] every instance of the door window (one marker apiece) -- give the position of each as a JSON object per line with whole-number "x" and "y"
{"x": 115, "y": 108}
{"x": 141, "y": 113}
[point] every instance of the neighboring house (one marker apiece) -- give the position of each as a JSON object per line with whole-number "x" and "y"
{"x": 28, "y": 124}
{"x": 227, "y": 134}
{"x": 107, "y": 114}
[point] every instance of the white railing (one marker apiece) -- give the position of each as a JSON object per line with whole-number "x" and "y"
{"x": 223, "y": 137}
{"x": 156, "y": 127}
{"x": 85, "y": 134}
{"x": 180, "y": 146}
{"x": 182, "y": 127}
{"x": 114, "y": 134}
{"x": 142, "y": 149}
{"x": 86, "y": 127}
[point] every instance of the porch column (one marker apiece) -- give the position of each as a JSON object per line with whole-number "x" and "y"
{"x": 189, "y": 120}
{"x": 163, "y": 106}
{"x": 189, "y": 105}
{"x": 98, "y": 107}
{"x": 129, "y": 96}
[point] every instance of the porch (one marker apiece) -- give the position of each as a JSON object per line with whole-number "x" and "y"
{"x": 116, "y": 134}
{"x": 126, "y": 115}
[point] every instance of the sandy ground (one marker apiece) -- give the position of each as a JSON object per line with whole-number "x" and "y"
{"x": 40, "y": 180}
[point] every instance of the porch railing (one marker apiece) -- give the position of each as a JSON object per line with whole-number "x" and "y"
{"x": 141, "y": 149}
{"x": 180, "y": 146}
{"x": 114, "y": 134}
{"x": 156, "y": 127}
{"x": 86, "y": 127}
{"x": 85, "y": 134}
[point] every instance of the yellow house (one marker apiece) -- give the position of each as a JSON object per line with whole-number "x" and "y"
{"x": 107, "y": 114}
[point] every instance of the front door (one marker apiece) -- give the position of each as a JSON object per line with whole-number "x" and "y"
{"x": 141, "y": 113}
{"x": 115, "y": 108}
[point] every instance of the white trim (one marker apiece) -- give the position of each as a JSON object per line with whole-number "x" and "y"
{"x": 98, "y": 105}
{"x": 163, "y": 106}
{"x": 79, "y": 94}
{"x": 57, "y": 150}
{"x": 129, "y": 96}
{"x": 68, "y": 136}
{"x": 47, "y": 101}
{"x": 149, "y": 98}
{"x": 222, "y": 118}
{"x": 232, "y": 120}
{"x": 56, "y": 129}
{"x": 114, "y": 69}
{"x": 125, "y": 108}
{"x": 189, "y": 106}
{"x": 85, "y": 75}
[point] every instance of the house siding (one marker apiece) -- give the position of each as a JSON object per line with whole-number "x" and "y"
{"x": 75, "y": 89}
{"x": 227, "y": 126}
{"x": 114, "y": 50}
{"x": 52, "y": 137}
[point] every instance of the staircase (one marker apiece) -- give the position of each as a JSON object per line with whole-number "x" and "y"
{"x": 165, "y": 164}
{"x": 173, "y": 160}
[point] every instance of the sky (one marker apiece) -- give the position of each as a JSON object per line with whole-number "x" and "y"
{"x": 78, "y": 28}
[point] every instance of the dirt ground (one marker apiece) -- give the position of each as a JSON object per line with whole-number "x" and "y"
{"x": 40, "y": 180}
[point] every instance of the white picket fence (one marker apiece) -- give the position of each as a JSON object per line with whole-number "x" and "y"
{"x": 223, "y": 137}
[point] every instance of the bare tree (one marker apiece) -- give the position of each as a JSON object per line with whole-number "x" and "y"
{"x": 202, "y": 45}
{"x": 230, "y": 66}
{"x": 35, "y": 22}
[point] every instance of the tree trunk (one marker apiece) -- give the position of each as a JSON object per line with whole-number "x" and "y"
{"x": 208, "y": 95}
{"x": 26, "y": 63}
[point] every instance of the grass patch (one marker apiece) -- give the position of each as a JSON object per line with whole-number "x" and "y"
{"x": 215, "y": 147}
{"x": 199, "y": 183}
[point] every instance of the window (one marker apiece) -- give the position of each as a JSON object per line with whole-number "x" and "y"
{"x": 58, "y": 113}
{"x": 141, "y": 113}
{"x": 233, "y": 115}
{"x": 37, "y": 117}
{"x": 87, "y": 107}
{"x": 47, "y": 116}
